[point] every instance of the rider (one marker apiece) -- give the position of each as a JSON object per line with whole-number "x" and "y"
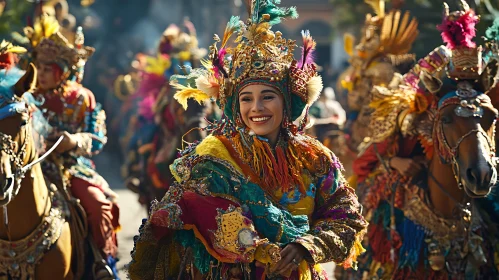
{"x": 161, "y": 122}
{"x": 380, "y": 54}
{"x": 396, "y": 127}
{"x": 72, "y": 111}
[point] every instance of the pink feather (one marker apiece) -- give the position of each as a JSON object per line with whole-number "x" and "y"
{"x": 148, "y": 91}
{"x": 307, "y": 50}
{"x": 459, "y": 32}
{"x": 218, "y": 64}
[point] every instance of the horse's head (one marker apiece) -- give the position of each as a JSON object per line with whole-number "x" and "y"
{"x": 464, "y": 128}
{"x": 14, "y": 150}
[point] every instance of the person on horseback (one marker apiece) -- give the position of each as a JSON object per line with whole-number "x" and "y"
{"x": 440, "y": 223}
{"x": 258, "y": 198}
{"x": 381, "y": 53}
{"x": 161, "y": 122}
{"x": 72, "y": 112}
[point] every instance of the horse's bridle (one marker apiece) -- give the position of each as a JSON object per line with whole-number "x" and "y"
{"x": 450, "y": 154}
{"x": 8, "y": 146}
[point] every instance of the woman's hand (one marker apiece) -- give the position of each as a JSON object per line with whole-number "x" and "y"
{"x": 291, "y": 257}
{"x": 68, "y": 142}
{"x": 407, "y": 166}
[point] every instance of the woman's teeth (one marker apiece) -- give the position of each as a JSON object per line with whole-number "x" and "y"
{"x": 260, "y": 119}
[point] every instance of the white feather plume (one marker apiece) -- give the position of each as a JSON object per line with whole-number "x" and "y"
{"x": 208, "y": 85}
{"x": 314, "y": 89}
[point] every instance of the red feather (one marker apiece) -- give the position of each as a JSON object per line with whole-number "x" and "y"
{"x": 459, "y": 32}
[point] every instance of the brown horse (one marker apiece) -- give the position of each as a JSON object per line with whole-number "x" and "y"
{"x": 445, "y": 220}
{"x": 464, "y": 167}
{"x": 35, "y": 236}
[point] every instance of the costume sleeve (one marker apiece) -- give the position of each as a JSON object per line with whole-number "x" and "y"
{"x": 337, "y": 226}
{"x": 93, "y": 137}
{"x": 365, "y": 163}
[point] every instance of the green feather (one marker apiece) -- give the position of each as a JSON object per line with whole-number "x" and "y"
{"x": 492, "y": 32}
{"x": 277, "y": 14}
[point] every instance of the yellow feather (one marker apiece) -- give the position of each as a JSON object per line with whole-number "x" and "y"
{"x": 348, "y": 43}
{"x": 17, "y": 49}
{"x": 8, "y": 47}
{"x": 207, "y": 64}
{"x": 44, "y": 28}
{"x": 184, "y": 93}
{"x": 157, "y": 65}
{"x": 378, "y": 6}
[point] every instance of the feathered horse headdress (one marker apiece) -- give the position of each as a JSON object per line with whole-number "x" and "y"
{"x": 259, "y": 56}
{"x": 458, "y": 31}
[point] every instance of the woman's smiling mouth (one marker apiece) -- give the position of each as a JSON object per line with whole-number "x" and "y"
{"x": 260, "y": 119}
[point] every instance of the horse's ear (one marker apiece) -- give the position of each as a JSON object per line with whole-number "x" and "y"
{"x": 430, "y": 83}
{"x": 27, "y": 81}
{"x": 489, "y": 78}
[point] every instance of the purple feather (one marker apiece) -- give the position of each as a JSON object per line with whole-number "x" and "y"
{"x": 307, "y": 51}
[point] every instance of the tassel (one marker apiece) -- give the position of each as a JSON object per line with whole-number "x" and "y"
{"x": 283, "y": 169}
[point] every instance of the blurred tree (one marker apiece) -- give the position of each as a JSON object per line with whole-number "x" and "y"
{"x": 13, "y": 16}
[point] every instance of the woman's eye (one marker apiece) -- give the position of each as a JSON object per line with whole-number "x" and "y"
{"x": 245, "y": 99}
{"x": 268, "y": 97}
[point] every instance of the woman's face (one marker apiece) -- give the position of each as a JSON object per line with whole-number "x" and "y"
{"x": 262, "y": 110}
{"x": 49, "y": 76}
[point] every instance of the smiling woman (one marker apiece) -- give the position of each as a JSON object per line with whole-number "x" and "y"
{"x": 257, "y": 199}
{"x": 262, "y": 110}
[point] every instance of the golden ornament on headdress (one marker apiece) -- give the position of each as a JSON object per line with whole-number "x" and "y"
{"x": 261, "y": 54}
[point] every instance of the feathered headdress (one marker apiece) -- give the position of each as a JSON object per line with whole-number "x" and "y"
{"x": 458, "y": 28}
{"x": 50, "y": 46}
{"x": 259, "y": 56}
{"x": 458, "y": 31}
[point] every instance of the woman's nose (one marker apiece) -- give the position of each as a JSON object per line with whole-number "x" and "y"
{"x": 257, "y": 106}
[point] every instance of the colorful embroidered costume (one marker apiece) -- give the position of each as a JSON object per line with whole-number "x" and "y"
{"x": 72, "y": 108}
{"x": 407, "y": 237}
{"x": 237, "y": 199}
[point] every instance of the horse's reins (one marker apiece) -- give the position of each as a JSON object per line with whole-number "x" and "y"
{"x": 7, "y": 145}
{"x": 442, "y": 189}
